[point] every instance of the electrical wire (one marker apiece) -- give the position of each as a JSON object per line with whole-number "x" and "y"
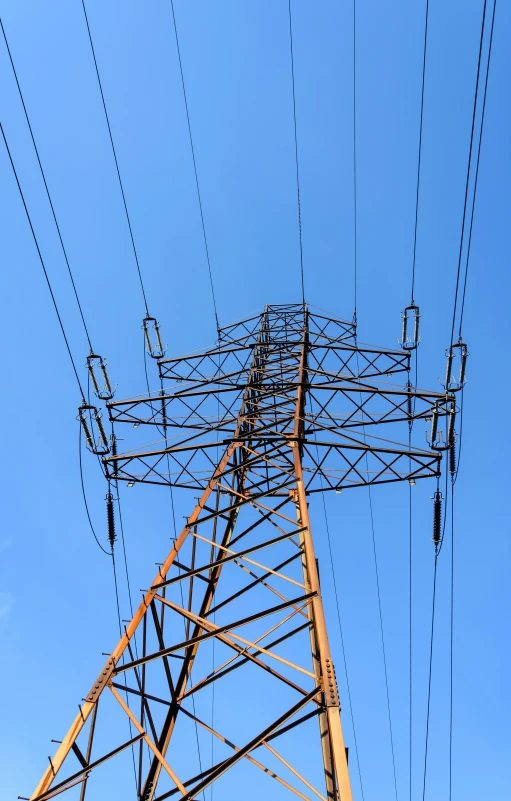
{"x": 410, "y": 587}
{"x": 355, "y": 159}
{"x": 124, "y": 673}
{"x": 47, "y": 189}
{"x": 379, "y": 603}
{"x": 194, "y": 165}
{"x": 184, "y": 625}
{"x": 467, "y": 181}
{"x": 410, "y": 624}
{"x": 343, "y": 650}
{"x": 341, "y": 635}
{"x": 108, "y": 553}
{"x": 299, "y": 206}
{"x": 116, "y": 161}
{"x": 429, "y": 677}
{"x": 42, "y": 264}
{"x": 382, "y": 638}
{"x": 451, "y": 644}
{"x": 420, "y": 152}
{"x": 477, "y": 168}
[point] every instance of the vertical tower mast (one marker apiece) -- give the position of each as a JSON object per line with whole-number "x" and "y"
{"x": 280, "y": 409}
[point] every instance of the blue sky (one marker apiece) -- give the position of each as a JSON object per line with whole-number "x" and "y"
{"x": 56, "y": 600}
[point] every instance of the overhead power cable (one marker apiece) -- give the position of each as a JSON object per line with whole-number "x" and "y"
{"x": 108, "y": 553}
{"x": 380, "y": 611}
{"x": 469, "y": 162}
{"x": 192, "y": 148}
{"x": 477, "y": 168}
{"x": 420, "y": 152}
{"x": 115, "y": 159}
{"x": 296, "y": 150}
{"x": 430, "y": 676}
{"x": 355, "y": 160}
{"x": 43, "y": 265}
{"x": 382, "y": 639}
{"x": 410, "y": 427}
{"x": 341, "y": 636}
{"x": 451, "y": 643}
{"x": 46, "y": 187}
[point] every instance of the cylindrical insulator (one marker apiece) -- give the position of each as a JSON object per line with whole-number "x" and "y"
{"x": 434, "y": 425}
{"x": 404, "y": 333}
{"x": 463, "y": 366}
{"x": 437, "y": 518}
{"x": 409, "y": 399}
{"x": 416, "y": 326}
{"x": 93, "y": 378}
{"x": 164, "y": 411}
{"x": 110, "y": 519}
{"x": 101, "y": 428}
{"x": 106, "y": 378}
{"x": 448, "y": 372}
{"x": 86, "y": 431}
{"x": 158, "y": 337}
{"x": 450, "y": 426}
{"x": 452, "y": 457}
{"x": 147, "y": 338}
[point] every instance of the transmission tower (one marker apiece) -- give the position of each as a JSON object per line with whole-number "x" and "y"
{"x": 281, "y": 408}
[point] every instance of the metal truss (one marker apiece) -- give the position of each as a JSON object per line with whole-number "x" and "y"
{"x": 281, "y": 408}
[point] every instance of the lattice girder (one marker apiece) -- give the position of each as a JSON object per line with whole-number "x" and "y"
{"x": 281, "y": 409}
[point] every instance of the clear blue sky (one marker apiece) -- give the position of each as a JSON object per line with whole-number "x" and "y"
{"x": 56, "y": 600}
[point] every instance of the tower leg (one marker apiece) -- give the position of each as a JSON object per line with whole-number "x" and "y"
{"x": 334, "y": 753}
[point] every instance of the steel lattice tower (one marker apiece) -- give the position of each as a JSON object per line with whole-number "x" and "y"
{"x": 281, "y": 408}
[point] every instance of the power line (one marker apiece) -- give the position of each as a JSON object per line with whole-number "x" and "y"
{"x": 382, "y": 638}
{"x": 429, "y": 677}
{"x": 379, "y": 604}
{"x": 194, "y": 164}
{"x": 341, "y": 635}
{"x": 410, "y": 597}
{"x": 477, "y": 168}
{"x": 115, "y": 159}
{"x": 42, "y": 264}
{"x": 420, "y": 151}
{"x": 355, "y": 157}
{"x": 46, "y": 187}
{"x": 451, "y": 643}
{"x": 296, "y": 149}
{"x": 108, "y": 553}
{"x": 342, "y": 639}
{"x": 476, "y": 90}
{"x": 410, "y": 588}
